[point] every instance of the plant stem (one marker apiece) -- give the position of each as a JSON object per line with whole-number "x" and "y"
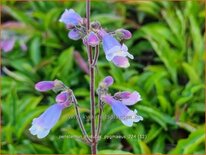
{"x": 92, "y": 105}
{"x": 99, "y": 117}
{"x": 96, "y": 56}
{"x": 81, "y": 125}
{"x": 92, "y": 81}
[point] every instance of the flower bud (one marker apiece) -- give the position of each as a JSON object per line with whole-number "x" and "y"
{"x": 123, "y": 34}
{"x": 64, "y": 98}
{"x": 74, "y": 34}
{"x": 43, "y": 86}
{"x": 91, "y": 39}
{"x": 58, "y": 86}
{"x": 108, "y": 81}
{"x": 95, "y": 25}
{"x": 55, "y": 85}
{"x": 104, "y": 84}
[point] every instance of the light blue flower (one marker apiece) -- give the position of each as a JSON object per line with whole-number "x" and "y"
{"x": 113, "y": 48}
{"x": 114, "y": 51}
{"x": 42, "y": 125}
{"x": 127, "y": 116}
{"x": 71, "y": 18}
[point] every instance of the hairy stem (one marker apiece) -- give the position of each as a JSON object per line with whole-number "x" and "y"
{"x": 81, "y": 125}
{"x": 92, "y": 82}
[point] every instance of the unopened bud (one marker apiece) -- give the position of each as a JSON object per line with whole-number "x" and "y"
{"x": 123, "y": 34}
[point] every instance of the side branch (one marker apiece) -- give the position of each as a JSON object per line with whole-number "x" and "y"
{"x": 81, "y": 125}
{"x": 99, "y": 117}
{"x": 96, "y": 56}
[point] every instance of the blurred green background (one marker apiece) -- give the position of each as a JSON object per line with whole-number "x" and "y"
{"x": 168, "y": 72}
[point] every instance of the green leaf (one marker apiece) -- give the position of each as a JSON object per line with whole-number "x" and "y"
{"x": 164, "y": 103}
{"x": 159, "y": 144}
{"x": 20, "y": 16}
{"x": 153, "y": 133}
{"x": 35, "y": 51}
{"x": 160, "y": 118}
{"x": 43, "y": 149}
{"x": 144, "y": 148}
{"x": 191, "y": 72}
{"x": 65, "y": 62}
{"x": 191, "y": 144}
{"x": 25, "y": 119}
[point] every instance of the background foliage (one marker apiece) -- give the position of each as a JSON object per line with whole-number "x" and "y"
{"x": 168, "y": 68}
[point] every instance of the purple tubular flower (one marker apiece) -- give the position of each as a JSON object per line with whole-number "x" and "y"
{"x": 70, "y": 18}
{"x": 42, "y": 125}
{"x": 128, "y": 98}
{"x": 7, "y": 45}
{"x": 108, "y": 81}
{"x": 126, "y": 115}
{"x": 74, "y": 34}
{"x": 92, "y": 39}
{"x": 113, "y": 48}
{"x": 123, "y": 34}
{"x": 63, "y": 99}
{"x": 114, "y": 51}
{"x": 43, "y": 86}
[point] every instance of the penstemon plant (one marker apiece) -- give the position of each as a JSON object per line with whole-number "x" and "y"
{"x": 92, "y": 35}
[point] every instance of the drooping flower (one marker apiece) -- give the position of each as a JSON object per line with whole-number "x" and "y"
{"x": 7, "y": 44}
{"x": 71, "y": 18}
{"x": 114, "y": 51}
{"x": 127, "y": 116}
{"x": 42, "y": 125}
{"x": 128, "y": 98}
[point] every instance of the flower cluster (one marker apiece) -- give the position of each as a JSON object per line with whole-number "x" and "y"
{"x": 115, "y": 51}
{"x": 73, "y": 22}
{"x": 120, "y": 101}
{"x": 42, "y": 125}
